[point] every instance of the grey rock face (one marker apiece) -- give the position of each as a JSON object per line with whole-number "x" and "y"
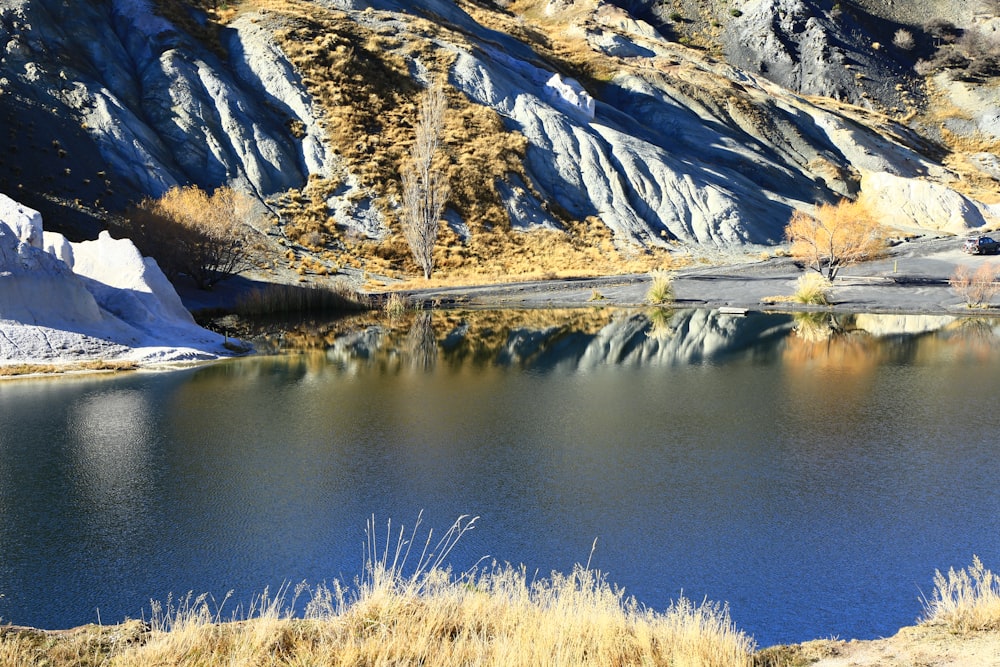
{"x": 159, "y": 108}
{"x": 800, "y": 45}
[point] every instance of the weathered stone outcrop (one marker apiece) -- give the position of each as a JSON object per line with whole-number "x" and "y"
{"x": 910, "y": 202}
{"x": 106, "y": 302}
{"x": 808, "y": 47}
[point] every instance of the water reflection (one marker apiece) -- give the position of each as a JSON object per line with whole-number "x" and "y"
{"x": 581, "y": 340}
{"x": 113, "y": 434}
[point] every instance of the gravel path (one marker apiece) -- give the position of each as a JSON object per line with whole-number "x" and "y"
{"x": 913, "y": 278}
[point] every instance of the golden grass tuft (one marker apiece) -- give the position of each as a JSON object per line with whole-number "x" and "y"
{"x": 661, "y": 289}
{"x": 401, "y": 612}
{"x": 967, "y": 600}
{"x": 395, "y": 305}
{"x": 813, "y": 289}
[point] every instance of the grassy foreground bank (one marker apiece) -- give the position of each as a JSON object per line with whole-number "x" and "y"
{"x": 497, "y": 615}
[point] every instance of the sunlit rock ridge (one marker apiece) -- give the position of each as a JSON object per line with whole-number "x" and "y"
{"x": 664, "y": 144}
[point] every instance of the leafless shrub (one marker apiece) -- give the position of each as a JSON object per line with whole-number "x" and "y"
{"x": 977, "y": 287}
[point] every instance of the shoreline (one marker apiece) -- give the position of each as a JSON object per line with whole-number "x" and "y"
{"x": 913, "y": 279}
{"x": 927, "y": 642}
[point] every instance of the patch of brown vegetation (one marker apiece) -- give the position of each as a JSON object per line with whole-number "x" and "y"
{"x": 183, "y": 14}
{"x": 15, "y": 370}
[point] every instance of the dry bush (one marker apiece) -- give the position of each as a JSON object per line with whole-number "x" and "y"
{"x": 835, "y": 236}
{"x": 206, "y": 237}
{"x": 966, "y": 600}
{"x": 903, "y": 40}
{"x": 977, "y": 287}
{"x": 972, "y": 54}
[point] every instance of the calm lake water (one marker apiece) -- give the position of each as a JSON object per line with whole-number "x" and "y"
{"x": 813, "y": 479}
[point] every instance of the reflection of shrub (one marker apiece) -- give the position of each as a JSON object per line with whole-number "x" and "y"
{"x": 662, "y": 288}
{"x": 660, "y": 326}
{"x": 977, "y": 287}
{"x": 815, "y": 327}
{"x": 813, "y": 288}
{"x": 191, "y": 232}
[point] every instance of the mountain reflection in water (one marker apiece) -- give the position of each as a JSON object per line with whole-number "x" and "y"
{"x": 581, "y": 340}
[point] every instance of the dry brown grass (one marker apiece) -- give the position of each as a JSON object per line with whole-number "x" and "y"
{"x": 360, "y": 77}
{"x": 361, "y": 80}
{"x": 402, "y": 613}
{"x": 283, "y": 298}
{"x": 14, "y": 370}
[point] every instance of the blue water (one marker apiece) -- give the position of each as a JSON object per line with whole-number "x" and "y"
{"x": 814, "y": 486}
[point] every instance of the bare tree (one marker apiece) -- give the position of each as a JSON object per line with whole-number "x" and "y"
{"x": 425, "y": 188}
{"x": 977, "y": 287}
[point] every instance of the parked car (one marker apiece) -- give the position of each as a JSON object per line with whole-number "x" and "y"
{"x": 981, "y": 245}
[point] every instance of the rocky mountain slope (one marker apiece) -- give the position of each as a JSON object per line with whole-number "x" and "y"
{"x": 613, "y": 134}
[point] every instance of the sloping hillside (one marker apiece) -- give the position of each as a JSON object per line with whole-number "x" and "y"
{"x": 581, "y": 135}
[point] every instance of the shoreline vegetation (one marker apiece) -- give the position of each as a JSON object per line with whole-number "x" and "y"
{"x": 492, "y": 614}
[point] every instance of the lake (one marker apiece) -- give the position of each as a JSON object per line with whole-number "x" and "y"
{"x": 813, "y": 472}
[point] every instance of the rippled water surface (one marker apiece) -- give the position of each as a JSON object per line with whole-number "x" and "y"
{"x": 812, "y": 478}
